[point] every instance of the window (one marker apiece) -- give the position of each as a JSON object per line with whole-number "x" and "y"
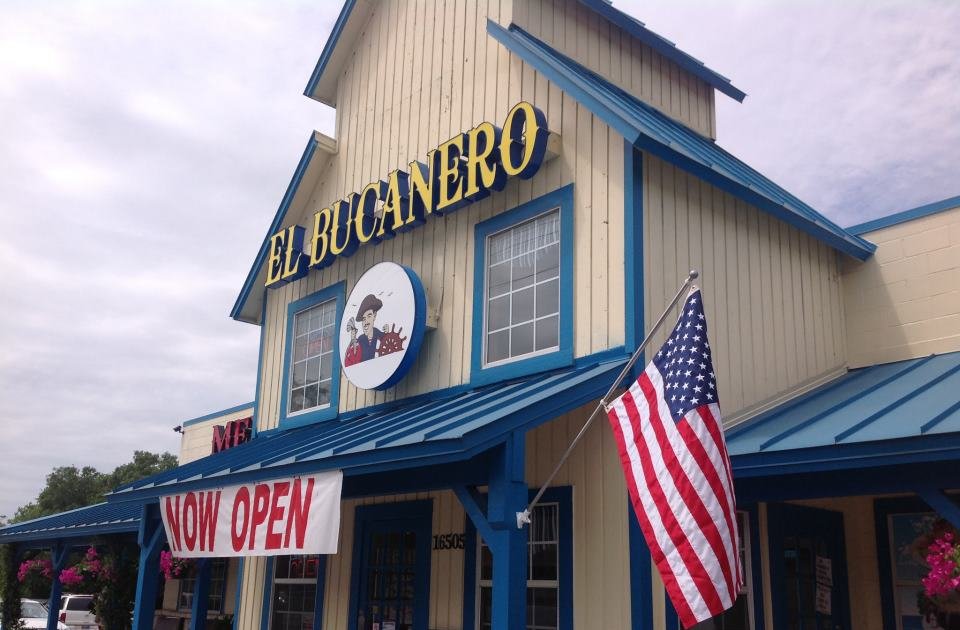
{"x": 311, "y": 371}
{"x": 311, "y": 378}
{"x": 523, "y": 303}
{"x": 218, "y": 583}
{"x": 740, "y": 616}
{"x": 549, "y": 568}
{"x": 523, "y": 289}
{"x": 295, "y": 589}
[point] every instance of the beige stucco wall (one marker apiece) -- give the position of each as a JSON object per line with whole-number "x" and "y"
{"x": 196, "y": 439}
{"x": 904, "y": 302}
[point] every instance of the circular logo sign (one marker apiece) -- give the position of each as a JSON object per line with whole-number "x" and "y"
{"x": 382, "y": 326}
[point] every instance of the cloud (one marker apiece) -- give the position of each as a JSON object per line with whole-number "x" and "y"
{"x": 146, "y": 147}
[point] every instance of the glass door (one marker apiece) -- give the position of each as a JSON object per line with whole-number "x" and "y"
{"x": 392, "y": 570}
{"x": 808, "y": 568}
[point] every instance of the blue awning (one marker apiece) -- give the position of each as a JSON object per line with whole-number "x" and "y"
{"x": 902, "y": 412}
{"x": 94, "y": 520}
{"x": 653, "y": 131}
{"x": 443, "y": 427}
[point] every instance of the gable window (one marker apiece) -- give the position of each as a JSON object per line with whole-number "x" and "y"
{"x": 523, "y": 279}
{"x": 523, "y": 289}
{"x": 311, "y": 372}
{"x": 311, "y": 377}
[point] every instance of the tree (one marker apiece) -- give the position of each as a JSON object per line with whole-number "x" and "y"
{"x": 69, "y": 488}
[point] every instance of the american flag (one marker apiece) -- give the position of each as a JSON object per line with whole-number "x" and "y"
{"x": 668, "y": 431}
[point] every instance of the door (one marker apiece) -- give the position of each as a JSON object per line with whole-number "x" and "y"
{"x": 391, "y": 566}
{"x": 808, "y": 568}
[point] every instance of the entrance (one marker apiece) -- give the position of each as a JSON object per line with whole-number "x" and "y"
{"x": 391, "y": 566}
{"x": 808, "y": 568}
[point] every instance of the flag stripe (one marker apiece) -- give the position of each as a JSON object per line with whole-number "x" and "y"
{"x": 630, "y": 458}
{"x": 689, "y": 477}
{"x": 710, "y": 416}
{"x": 680, "y": 493}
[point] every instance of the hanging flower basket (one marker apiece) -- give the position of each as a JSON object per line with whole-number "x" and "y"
{"x": 35, "y": 575}
{"x": 175, "y": 568}
{"x": 87, "y": 574}
{"x": 941, "y": 586}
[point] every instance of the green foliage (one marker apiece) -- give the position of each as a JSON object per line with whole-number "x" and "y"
{"x": 69, "y": 488}
{"x": 9, "y": 589}
{"x": 113, "y": 603}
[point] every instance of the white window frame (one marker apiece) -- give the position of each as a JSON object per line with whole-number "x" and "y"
{"x": 331, "y": 303}
{"x": 485, "y": 332}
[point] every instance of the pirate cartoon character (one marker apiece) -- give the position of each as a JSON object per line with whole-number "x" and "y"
{"x": 366, "y": 316}
{"x": 353, "y": 355}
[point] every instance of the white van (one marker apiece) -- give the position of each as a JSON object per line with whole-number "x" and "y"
{"x": 77, "y": 612}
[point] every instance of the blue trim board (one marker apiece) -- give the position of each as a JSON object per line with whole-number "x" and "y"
{"x": 216, "y": 414}
{"x": 665, "y": 47}
{"x": 563, "y": 497}
{"x": 905, "y": 215}
{"x": 415, "y": 515}
{"x": 650, "y": 130}
{"x": 267, "y": 594}
{"x": 278, "y": 218}
{"x": 561, "y": 198}
{"x": 329, "y": 47}
{"x": 238, "y": 591}
{"x": 333, "y": 292}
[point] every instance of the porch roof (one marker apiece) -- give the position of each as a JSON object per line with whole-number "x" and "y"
{"x": 902, "y": 412}
{"x": 93, "y": 520}
{"x": 444, "y": 427}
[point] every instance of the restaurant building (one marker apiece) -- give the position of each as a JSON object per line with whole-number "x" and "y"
{"x": 513, "y": 193}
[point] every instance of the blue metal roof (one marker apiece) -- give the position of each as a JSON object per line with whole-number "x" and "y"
{"x": 651, "y": 130}
{"x": 447, "y": 426}
{"x": 878, "y": 410}
{"x": 94, "y": 520}
{"x": 906, "y": 215}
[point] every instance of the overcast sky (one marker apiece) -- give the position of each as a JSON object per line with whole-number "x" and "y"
{"x": 144, "y": 148}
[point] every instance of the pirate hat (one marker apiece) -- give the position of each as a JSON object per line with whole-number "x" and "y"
{"x": 370, "y": 303}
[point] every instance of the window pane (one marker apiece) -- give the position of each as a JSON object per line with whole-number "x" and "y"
{"x": 521, "y": 339}
{"x": 313, "y": 370}
{"x": 499, "y": 247}
{"x": 548, "y": 333}
{"x": 498, "y": 346}
{"x": 524, "y": 238}
{"x": 498, "y": 313}
{"x": 548, "y": 298}
{"x": 310, "y": 396}
{"x": 544, "y": 560}
{"x": 521, "y": 309}
{"x": 548, "y": 262}
{"x": 544, "y": 607}
{"x": 486, "y": 563}
{"x": 300, "y": 348}
{"x": 499, "y": 279}
{"x": 296, "y": 400}
{"x": 299, "y": 372}
{"x": 522, "y": 272}
{"x": 326, "y": 367}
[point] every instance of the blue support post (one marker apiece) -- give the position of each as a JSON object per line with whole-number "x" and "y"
{"x": 508, "y": 544}
{"x": 58, "y": 556}
{"x": 151, "y": 539}
{"x": 201, "y": 595}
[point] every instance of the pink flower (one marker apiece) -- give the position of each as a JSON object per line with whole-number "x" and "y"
{"x": 70, "y": 577}
{"x": 943, "y": 558}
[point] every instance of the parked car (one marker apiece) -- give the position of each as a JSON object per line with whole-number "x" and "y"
{"x": 77, "y": 612}
{"x": 33, "y": 614}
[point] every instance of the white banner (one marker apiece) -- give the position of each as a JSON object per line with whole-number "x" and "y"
{"x": 300, "y": 515}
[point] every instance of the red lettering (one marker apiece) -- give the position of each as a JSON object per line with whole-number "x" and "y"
{"x": 237, "y": 538}
{"x": 209, "y": 509}
{"x": 261, "y": 503}
{"x": 173, "y": 521}
{"x": 221, "y": 438}
{"x": 280, "y": 490}
{"x": 190, "y": 518}
{"x": 241, "y": 430}
{"x": 299, "y": 512}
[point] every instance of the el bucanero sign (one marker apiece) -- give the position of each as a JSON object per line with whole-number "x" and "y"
{"x": 299, "y": 515}
{"x": 464, "y": 169}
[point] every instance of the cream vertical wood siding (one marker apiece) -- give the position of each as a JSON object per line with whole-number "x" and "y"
{"x": 578, "y": 32}
{"x": 771, "y": 293}
{"x": 197, "y": 439}
{"x": 389, "y": 115}
{"x": 904, "y": 302}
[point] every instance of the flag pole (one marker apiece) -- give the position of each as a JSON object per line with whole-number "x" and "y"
{"x": 524, "y": 516}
